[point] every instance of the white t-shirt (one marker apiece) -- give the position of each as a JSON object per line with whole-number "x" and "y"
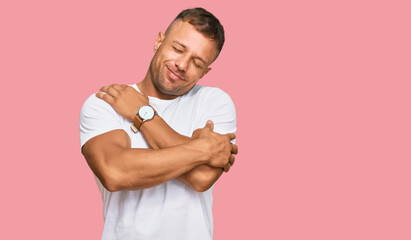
{"x": 172, "y": 210}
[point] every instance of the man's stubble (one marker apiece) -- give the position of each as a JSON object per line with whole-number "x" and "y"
{"x": 157, "y": 72}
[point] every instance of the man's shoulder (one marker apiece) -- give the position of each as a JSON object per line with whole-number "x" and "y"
{"x": 216, "y": 105}
{"x": 207, "y": 92}
{"x": 211, "y": 99}
{"x": 97, "y": 117}
{"x": 95, "y": 105}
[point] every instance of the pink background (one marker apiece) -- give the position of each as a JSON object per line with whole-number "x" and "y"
{"x": 322, "y": 90}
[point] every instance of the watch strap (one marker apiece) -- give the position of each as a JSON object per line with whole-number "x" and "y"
{"x": 138, "y": 121}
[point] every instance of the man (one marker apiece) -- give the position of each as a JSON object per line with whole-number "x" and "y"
{"x": 154, "y": 146}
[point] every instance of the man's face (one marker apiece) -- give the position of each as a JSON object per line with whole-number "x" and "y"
{"x": 181, "y": 58}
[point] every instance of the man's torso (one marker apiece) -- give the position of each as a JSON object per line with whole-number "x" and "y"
{"x": 172, "y": 210}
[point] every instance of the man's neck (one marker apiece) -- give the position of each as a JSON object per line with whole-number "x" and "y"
{"x": 147, "y": 87}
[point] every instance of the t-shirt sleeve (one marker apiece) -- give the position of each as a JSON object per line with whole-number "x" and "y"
{"x": 218, "y": 107}
{"x": 97, "y": 117}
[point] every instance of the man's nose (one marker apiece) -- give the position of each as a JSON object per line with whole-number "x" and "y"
{"x": 182, "y": 62}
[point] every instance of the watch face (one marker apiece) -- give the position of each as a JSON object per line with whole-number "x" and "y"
{"x": 146, "y": 112}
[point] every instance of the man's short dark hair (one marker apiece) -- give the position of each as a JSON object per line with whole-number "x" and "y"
{"x": 205, "y": 23}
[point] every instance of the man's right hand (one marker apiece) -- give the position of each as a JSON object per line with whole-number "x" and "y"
{"x": 218, "y": 146}
{"x": 124, "y": 99}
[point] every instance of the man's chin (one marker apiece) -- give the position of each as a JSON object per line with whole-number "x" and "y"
{"x": 169, "y": 87}
{"x": 168, "y": 91}
{"x": 171, "y": 92}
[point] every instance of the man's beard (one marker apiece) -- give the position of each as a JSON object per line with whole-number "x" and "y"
{"x": 156, "y": 78}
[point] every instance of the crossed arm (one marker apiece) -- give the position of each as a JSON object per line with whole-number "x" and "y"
{"x": 197, "y": 161}
{"x": 201, "y": 177}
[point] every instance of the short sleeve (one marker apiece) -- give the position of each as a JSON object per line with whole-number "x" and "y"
{"x": 97, "y": 117}
{"x": 218, "y": 107}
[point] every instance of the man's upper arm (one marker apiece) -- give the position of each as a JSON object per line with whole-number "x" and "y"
{"x": 218, "y": 107}
{"x": 97, "y": 117}
{"x": 101, "y": 136}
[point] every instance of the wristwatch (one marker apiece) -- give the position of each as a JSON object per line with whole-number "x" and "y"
{"x": 145, "y": 113}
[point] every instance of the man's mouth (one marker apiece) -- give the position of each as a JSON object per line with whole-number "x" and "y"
{"x": 174, "y": 76}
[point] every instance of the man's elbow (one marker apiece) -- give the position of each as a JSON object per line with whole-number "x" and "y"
{"x": 110, "y": 182}
{"x": 112, "y": 187}
{"x": 113, "y": 178}
{"x": 202, "y": 182}
{"x": 116, "y": 180}
{"x": 201, "y": 187}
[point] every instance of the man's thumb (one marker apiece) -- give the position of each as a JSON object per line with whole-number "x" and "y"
{"x": 210, "y": 125}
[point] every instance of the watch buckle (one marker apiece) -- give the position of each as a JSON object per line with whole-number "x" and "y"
{"x": 134, "y": 128}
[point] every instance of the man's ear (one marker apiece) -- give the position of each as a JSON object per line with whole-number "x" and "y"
{"x": 159, "y": 41}
{"x": 206, "y": 71}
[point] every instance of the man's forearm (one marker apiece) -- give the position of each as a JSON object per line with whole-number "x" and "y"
{"x": 159, "y": 135}
{"x": 120, "y": 167}
{"x": 201, "y": 178}
{"x": 152, "y": 168}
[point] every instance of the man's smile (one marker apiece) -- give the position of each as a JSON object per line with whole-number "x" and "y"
{"x": 174, "y": 76}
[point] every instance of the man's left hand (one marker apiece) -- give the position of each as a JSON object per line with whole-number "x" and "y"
{"x": 210, "y": 126}
{"x": 124, "y": 99}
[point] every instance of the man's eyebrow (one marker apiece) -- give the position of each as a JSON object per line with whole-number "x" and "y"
{"x": 199, "y": 58}
{"x": 185, "y": 47}
{"x": 181, "y": 45}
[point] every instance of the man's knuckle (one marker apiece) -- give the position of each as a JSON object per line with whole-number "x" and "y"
{"x": 106, "y": 98}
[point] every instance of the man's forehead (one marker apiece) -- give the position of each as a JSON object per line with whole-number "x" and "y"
{"x": 185, "y": 34}
{"x": 184, "y": 29}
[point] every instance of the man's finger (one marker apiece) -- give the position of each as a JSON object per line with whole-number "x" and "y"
{"x": 234, "y": 148}
{"x": 103, "y": 89}
{"x": 112, "y": 91}
{"x": 210, "y": 125}
{"x": 230, "y": 135}
{"x": 196, "y": 132}
{"x": 232, "y": 159}
{"x": 109, "y": 99}
{"x": 116, "y": 86}
{"x": 227, "y": 167}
